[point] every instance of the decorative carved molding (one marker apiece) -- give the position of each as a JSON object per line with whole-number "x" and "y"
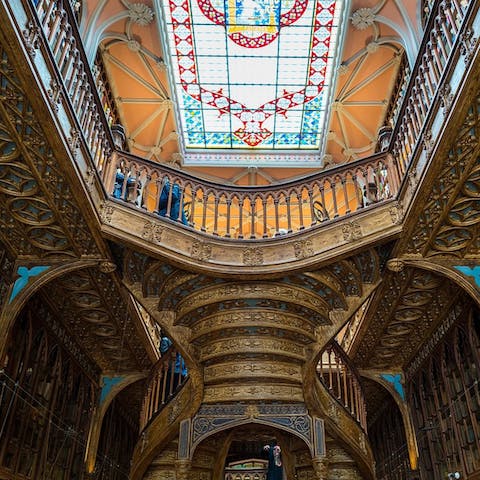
{"x": 395, "y": 265}
{"x": 303, "y": 249}
{"x": 428, "y": 347}
{"x": 152, "y": 232}
{"x": 252, "y": 392}
{"x": 201, "y": 251}
{"x": 235, "y": 291}
{"x": 67, "y": 340}
{"x": 446, "y": 97}
{"x": 54, "y": 94}
{"x": 106, "y": 212}
{"x": 31, "y": 35}
{"x": 292, "y": 417}
{"x": 412, "y": 300}
{"x": 397, "y": 214}
{"x": 253, "y": 256}
{"x": 352, "y": 231}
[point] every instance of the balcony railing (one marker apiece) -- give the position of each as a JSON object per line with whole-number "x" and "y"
{"x": 166, "y": 378}
{"x": 441, "y": 34}
{"x": 339, "y": 376}
{"x": 59, "y": 26}
{"x": 243, "y": 212}
{"x": 259, "y": 212}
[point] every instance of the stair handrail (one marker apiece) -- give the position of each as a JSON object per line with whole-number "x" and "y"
{"x": 337, "y": 373}
{"x": 165, "y": 380}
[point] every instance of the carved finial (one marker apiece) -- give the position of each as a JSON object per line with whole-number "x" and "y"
{"x": 107, "y": 267}
{"x": 395, "y": 265}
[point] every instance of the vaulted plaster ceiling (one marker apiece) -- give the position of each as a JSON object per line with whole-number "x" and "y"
{"x": 128, "y": 37}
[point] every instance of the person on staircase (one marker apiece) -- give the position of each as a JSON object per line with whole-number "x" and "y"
{"x": 275, "y": 464}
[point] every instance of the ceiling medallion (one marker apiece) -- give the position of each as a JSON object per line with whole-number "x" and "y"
{"x": 363, "y": 18}
{"x": 140, "y": 14}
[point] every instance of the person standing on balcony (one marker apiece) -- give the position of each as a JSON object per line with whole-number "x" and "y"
{"x": 275, "y": 464}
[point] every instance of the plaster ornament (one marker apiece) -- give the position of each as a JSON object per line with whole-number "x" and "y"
{"x": 140, "y": 14}
{"x": 363, "y": 18}
{"x": 372, "y": 47}
{"x": 343, "y": 69}
{"x": 133, "y": 45}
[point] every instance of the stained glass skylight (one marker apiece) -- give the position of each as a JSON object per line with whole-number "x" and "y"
{"x": 252, "y": 75}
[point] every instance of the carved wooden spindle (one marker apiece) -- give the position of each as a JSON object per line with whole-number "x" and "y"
{"x": 253, "y": 215}
{"x": 265, "y": 222}
{"x": 345, "y": 196}
{"x": 227, "y": 217}
{"x": 204, "y": 212}
{"x": 215, "y": 215}
{"x": 289, "y": 213}
{"x": 301, "y": 224}
{"x": 312, "y": 207}
{"x": 277, "y": 222}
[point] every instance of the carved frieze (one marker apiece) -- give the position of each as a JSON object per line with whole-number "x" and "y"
{"x": 252, "y": 290}
{"x": 152, "y": 232}
{"x": 251, "y": 344}
{"x": 249, "y": 369}
{"x": 448, "y": 221}
{"x": 427, "y": 348}
{"x": 37, "y": 205}
{"x": 352, "y": 231}
{"x": 66, "y": 339}
{"x": 290, "y": 416}
{"x": 94, "y": 310}
{"x": 252, "y": 317}
{"x": 398, "y": 327}
{"x": 253, "y": 256}
{"x": 253, "y": 392}
{"x": 303, "y": 249}
{"x": 201, "y": 251}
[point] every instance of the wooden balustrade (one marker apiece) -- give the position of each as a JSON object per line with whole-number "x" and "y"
{"x": 58, "y": 22}
{"x": 342, "y": 381}
{"x": 441, "y": 33}
{"x": 251, "y": 212}
{"x": 250, "y": 474}
{"x": 168, "y": 375}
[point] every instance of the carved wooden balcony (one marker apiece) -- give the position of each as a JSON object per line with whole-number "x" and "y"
{"x": 250, "y": 212}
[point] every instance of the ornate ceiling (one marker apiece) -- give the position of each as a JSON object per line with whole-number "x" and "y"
{"x": 128, "y": 37}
